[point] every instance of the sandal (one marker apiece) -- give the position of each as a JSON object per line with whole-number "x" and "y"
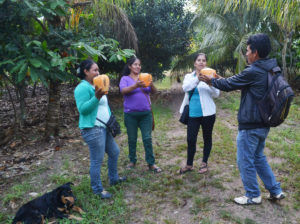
{"x": 154, "y": 168}
{"x": 203, "y": 168}
{"x": 131, "y": 166}
{"x": 185, "y": 169}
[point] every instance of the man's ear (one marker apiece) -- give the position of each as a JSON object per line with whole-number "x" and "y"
{"x": 256, "y": 55}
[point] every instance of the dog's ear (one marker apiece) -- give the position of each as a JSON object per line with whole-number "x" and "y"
{"x": 69, "y": 183}
{"x": 64, "y": 187}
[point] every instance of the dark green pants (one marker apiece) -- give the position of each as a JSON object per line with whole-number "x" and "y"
{"x": 142, "y": 120}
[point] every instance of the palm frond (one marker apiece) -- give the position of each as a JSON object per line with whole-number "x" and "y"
{"x": 111, "y": 12}
{"x": 120, "y": 25}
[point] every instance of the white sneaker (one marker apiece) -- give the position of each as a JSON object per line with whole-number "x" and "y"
{"x": 247, "y": 201}
{"x": 277, "y": 197}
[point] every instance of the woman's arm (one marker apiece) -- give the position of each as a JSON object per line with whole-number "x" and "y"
{"x": 153, "y": 88}
{"x": 214, "y": 92}
{"x": 84, "y": 101}
{"x": 190, "y": 82}
{"x": 129, "y": 89}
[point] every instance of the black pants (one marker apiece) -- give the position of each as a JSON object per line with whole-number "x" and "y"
{"x": 207, "y": 124}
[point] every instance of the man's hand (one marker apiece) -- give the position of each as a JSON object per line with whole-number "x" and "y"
{"x": 208, "y": 79}
{"x": 205, "y": 79}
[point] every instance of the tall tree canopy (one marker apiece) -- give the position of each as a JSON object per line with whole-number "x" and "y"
{"x": 162, "y": 30}
{"x": 44, "y": 40}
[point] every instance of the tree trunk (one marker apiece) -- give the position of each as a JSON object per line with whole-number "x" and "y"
{"x": 283, "y": 55}
{"x": 33, "y": 94}
{"x": 53, "y": 112}
{"x": 22, "y": 95}
{"x": 287, "y": 38}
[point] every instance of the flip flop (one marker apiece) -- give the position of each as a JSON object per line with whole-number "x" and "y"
{"x": 130, "y": 166}
{"x": 203, "y": 168}
{"x": 185, "y": 170}
{"x": 154, "y": 168}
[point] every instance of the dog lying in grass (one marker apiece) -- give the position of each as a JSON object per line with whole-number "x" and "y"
{"x": 55, "y": 204}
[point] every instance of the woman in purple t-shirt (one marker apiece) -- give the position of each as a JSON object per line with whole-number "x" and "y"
{"x": 137, "y": 112}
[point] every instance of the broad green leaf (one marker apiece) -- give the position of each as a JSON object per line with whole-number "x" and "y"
{"x": 53, "y": 4}
{"x": 35, "y": 42}
{"x": 103, "y": 56}
{"x": 34, "y": 74}
{"x": 44, "y": 45}
{"x": 91, "y": 50}
{"x": 31, "y": 7}
{"x": 95, "y": 58}
{"x": 128, "y": 52}
{"x": 35, "y": 62}
{"x": 44, "y": 80}
{"x": 22, "y": 72}
{"x": 6, "y": 62}
{"x": 113, "y": 58}
{"x": 119, "y": 57}
{"x": 45, "y": 64}
{"x": 60, "y": 76}
{"x": 55, "y": 61}
{"x": 18, "y": 66}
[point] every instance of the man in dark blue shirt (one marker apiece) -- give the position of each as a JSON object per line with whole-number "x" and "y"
{"x": 252, "y": 133}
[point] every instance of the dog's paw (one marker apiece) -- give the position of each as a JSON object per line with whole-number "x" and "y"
{"x": 75, "y": 217}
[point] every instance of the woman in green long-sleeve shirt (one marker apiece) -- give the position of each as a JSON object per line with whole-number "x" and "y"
{"x": 92, "y": 103}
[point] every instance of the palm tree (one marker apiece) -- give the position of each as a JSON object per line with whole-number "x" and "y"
{"x": 284, "y": 12}
{"x": 105, "y": 11}
{"x": 224, "y": 35}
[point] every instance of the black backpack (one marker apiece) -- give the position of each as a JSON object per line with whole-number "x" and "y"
{"x": 275, "y": 104}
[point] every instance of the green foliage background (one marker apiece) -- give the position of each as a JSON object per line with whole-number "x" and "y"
{"x": 162, "y": 28}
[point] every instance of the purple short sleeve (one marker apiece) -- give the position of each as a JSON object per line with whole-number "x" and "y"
{"x": 136, "y": 100}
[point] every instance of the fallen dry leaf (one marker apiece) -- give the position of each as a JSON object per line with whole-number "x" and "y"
{"x": 12, "y": 145}
{"x": 13, "y": 205}
{"x": 33, "y": 194}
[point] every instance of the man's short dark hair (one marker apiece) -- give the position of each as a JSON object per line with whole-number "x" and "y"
{"x": 260, "y": 43}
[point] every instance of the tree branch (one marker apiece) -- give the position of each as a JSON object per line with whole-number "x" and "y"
{"x": 81, "y": 4}
{"x": 41, "y": 24}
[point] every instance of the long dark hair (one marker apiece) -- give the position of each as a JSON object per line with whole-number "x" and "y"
{"x": 197, "y": 55}
{"x": 126, "y": 70}
{"x": 86, "y": 64}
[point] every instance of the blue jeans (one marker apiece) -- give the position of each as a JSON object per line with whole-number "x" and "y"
{"x": 251, "y": 160}
{"x": 99, "y": 141}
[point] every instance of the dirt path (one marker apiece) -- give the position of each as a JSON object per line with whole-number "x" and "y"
{"x": 196, "y": 198}
{"x": 165, "y": 198}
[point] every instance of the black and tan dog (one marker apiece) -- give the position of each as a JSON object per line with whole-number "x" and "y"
{"x": 55, "y": 204}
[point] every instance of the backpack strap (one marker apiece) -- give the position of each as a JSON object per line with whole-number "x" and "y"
{"x": 276, "y": 69}
{"x": 101, "y": 121}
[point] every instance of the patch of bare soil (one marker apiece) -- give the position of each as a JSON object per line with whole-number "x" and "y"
{"x": 219, "y": 187}
{"x": 212, "y": 193}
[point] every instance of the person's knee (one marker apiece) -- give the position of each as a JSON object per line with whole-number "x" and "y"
{"x": 147, "y": 138}
{"x": 96, "y": 163}
{"x": 191, "y": 140}
{"x": 116, "y": 152}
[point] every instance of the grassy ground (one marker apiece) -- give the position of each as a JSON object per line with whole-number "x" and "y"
{"x": 168, "y": 197}
{"x": 165, "y": 83}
